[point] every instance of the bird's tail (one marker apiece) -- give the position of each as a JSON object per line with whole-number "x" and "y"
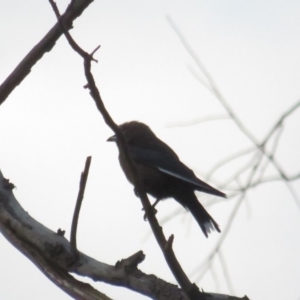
{"x": 205, "y": 221}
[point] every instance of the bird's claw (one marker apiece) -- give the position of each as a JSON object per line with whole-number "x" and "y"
{"x": 154, "y": 211}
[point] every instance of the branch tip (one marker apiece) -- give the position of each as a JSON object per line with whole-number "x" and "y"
{"x": 82, "y": 185}
{"x": 60, "y": 232}
{"x": 169, "y": 243}
{"x": 132, "y": 261}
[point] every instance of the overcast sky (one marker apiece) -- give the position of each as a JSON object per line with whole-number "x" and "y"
{"x": 49, "y": 124}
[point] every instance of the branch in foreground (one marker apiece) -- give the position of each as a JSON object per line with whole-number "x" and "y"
{"x": 51, "y": 253}
{"x": 83, "y": 180}
{"x": 45, "y": 45}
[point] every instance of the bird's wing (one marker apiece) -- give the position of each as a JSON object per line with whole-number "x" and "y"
{"x": 169, "y": 164}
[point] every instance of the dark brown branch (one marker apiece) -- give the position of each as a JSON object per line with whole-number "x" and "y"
{"x": 190, "y": 289}
{"x": 132, "y": 261}
{"x": 82, "y": 185}
{"x": 45, "y": 45}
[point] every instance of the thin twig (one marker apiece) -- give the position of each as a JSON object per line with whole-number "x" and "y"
{"x": 246, "y": 198}
{"x": 274, "y": 178}
{"x": 243, "y": 169}
{"x": 215, "y": 277}
{"x": 210, "y": 84}
{"x": 280, "y": 121}
{"x": 228, "y": 108}
{"x": 82, "y": 185}
{"x": 199, "y": 120}
{"x": 226, "y": 272}
{"x": 210, "y": 79}
{"x": 228, "y": 159}
{"x": 200, "y": 78}
{"x": 231, "y": 218}
{"x": 209, "y": 260}
{"x": 279, "y": 131}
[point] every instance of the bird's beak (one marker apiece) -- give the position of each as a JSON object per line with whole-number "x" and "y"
{"x": 113, "y": 138}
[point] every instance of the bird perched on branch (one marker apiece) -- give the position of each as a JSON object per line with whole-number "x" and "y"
{"x": 162, "y": 174}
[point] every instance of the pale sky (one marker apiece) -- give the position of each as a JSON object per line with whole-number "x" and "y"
{"x": 49, "y": 124}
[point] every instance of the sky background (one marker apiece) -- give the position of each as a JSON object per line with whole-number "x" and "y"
{"x": 49, "y": 125}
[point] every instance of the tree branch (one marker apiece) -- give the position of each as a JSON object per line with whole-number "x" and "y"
{"x": 73, "y": 11}
{"x": 191, "y": 290}
{"x": 83, "y": 180}
{"x": 51, "y": 253}
{"x": 212, "y": 86}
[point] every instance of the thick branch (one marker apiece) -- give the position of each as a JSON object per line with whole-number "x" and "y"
{"x": 45, "y": 45}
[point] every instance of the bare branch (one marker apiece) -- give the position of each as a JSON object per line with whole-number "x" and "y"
{"x": 257, "y": 157}
{"x": 199, "y": 120}
{"x": 264, "y": 166}
{"x": 45, "y": 45}
{"x": 226, "y": 272}
{"x": 132, "y": 261}
{"x": 228, "y": 159}
{"x": 52, "y": 254}
{"x": 210, "y": 80}
{"x": 280, "y": 121}
{"x": 213, "y": 88}
{"x": 83, "y": 180}
{"x": 209, "y": 260}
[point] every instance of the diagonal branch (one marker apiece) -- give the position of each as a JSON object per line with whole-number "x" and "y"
{"x": 279, "y": 123}
{"x": 45, "y": 45}
{"x": 191, "y": 290}
{"x": 51, "y": 253}
{"x": 83, "y": 180}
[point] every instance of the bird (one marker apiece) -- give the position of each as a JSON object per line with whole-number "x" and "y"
{"x": 162, "y": 174}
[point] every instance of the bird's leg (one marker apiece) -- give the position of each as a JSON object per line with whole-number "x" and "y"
{"x": 153, "y": 208}
{"x": 155, "y": 203}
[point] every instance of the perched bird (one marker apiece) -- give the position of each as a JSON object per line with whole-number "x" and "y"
{"x": 162, "y": 174}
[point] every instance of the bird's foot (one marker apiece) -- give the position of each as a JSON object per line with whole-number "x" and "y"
{"x": 154, "y": 211}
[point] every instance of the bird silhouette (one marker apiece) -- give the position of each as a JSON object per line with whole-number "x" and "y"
{"x": 162, "y": 173}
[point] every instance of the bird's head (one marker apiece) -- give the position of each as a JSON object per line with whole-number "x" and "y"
{"x": 133, "y": 132}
